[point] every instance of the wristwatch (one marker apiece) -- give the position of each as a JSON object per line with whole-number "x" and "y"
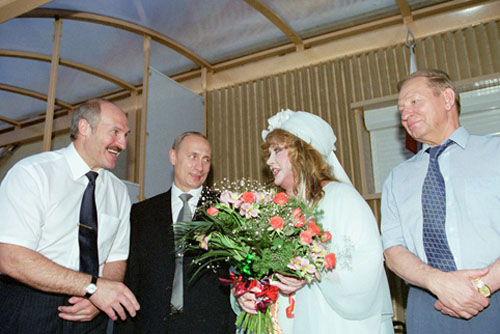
{"x": 91, "y": 288}
{"x": 481, "y": 287}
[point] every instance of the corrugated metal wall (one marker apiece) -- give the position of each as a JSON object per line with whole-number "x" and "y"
{"x": 236, "y": 115}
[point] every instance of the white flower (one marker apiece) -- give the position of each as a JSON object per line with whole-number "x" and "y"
{"x": 276, "y": 121}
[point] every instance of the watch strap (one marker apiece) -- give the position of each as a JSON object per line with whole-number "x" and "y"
{"x": 93, "y": 281}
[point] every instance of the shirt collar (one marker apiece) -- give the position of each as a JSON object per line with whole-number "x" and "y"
{"x": 460, "y": 136}
{"x": 195, "y": 192}
{"x": 76, "y": 163}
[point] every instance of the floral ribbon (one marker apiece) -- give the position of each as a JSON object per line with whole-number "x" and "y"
{"x": 291, "y": 306}
{"x": 245, "y": 268}
{"x": 265, "y": 294}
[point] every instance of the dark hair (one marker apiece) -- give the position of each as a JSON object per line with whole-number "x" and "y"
{"x": 178, "y": 140}
{"x": 90, "y": 111}
{"x": 437, "y": 80}
{"x": 310, "y": 169}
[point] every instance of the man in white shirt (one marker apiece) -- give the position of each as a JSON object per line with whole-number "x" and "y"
{"x": 41, "y": 287}
{"x": 201, "y": 306}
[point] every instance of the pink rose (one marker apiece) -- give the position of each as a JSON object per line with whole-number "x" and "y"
{"x": 306, "y": 237}
{"x": 326, "y": 236}
{"x": 248, "y": 197}
{"x": 296, "y": 213}
{"x": 212, "y": 211}
{"x": 280, "y": 198}
{"x": 300, "y": 222}
{"x": 330, "y": 261}
{"x": 277, "y": 223}
{"x": 313, "y": 228}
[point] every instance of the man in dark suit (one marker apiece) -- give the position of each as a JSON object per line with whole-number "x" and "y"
{"x": 205, "y": 306}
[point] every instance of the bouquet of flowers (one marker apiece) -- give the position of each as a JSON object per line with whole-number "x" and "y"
{"x": 261, "y": 232}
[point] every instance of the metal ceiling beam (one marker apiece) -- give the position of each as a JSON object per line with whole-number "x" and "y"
{"x": 12, "y": 8}
{"x": 33, "y": 94}
{"x": 120, "y": 24}
{"x": 272, "y": 16}
{"x": 71, "y": 64}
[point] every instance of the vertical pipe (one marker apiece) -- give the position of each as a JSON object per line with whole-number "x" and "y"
{"x": 51, "y": 96}
{"x": 204, "y": 84}
{"x": 144, "y": 112}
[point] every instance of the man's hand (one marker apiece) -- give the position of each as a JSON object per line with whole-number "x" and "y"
{"x": 457, "y": 295}
{"x": 114, "y": 298}
{"x": 80, "y": 310}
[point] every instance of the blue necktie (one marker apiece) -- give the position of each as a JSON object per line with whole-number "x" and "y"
{"x": 87, "y": 235}
{"x": 434, "y": 214}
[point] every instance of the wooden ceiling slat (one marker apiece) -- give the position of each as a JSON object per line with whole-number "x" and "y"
{"x": 120, "y": 24}
{"x": 12, "y": 8}
{"x": 405, "y": 10}
{"x": 33, "y": 94}
{"x": 71, "y": 64}
{"x": 277, "y": 20}
{"x": 9, "y": 121}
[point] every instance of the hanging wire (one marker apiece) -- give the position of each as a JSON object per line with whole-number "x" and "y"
{"x": 411, "y": 42}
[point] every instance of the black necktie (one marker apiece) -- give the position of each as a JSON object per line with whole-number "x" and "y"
{"x": 87, "y": 238}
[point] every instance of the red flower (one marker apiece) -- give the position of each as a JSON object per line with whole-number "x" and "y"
{"x": 326, "y": 236}
{"x": 268, "y": 291}
{"x": 267, "y": 295}
{"x": 248, "y": 197}
{"x": 280, "y": 198}
{"x": 312, "y": 220}
{"x": 277, "y": 223}
{"x": 296, "y": 213}
{"x": 300, "y": 221}
{"x": 212, "y": 211}
{"x": 330, "y": 261}
{"x": 306, "y": 237}
{"x": 313, "y": 228}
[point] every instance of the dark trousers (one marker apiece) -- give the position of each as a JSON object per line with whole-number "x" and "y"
{"x": 25, "y": 310}
{"x": 422, "y": 318}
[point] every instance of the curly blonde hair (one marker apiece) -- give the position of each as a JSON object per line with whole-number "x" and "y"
{"x": 310, "y": 170}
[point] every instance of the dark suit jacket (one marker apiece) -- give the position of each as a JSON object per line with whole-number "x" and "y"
{"x": 150, "y": 272}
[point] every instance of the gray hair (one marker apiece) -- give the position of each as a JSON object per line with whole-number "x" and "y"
{"x": 437, "y": 80}
{"x": 89, "y": 111}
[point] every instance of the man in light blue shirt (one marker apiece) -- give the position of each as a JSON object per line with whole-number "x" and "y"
{"x": 455, "y": 301}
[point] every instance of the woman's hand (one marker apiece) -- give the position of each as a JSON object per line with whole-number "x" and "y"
{"x": 247, "y": 301}
{"x": 288, "y": 284}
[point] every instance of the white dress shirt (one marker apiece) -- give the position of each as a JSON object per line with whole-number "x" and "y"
{"x": 40, "y": 199}
{"x": 177, "y": 203}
